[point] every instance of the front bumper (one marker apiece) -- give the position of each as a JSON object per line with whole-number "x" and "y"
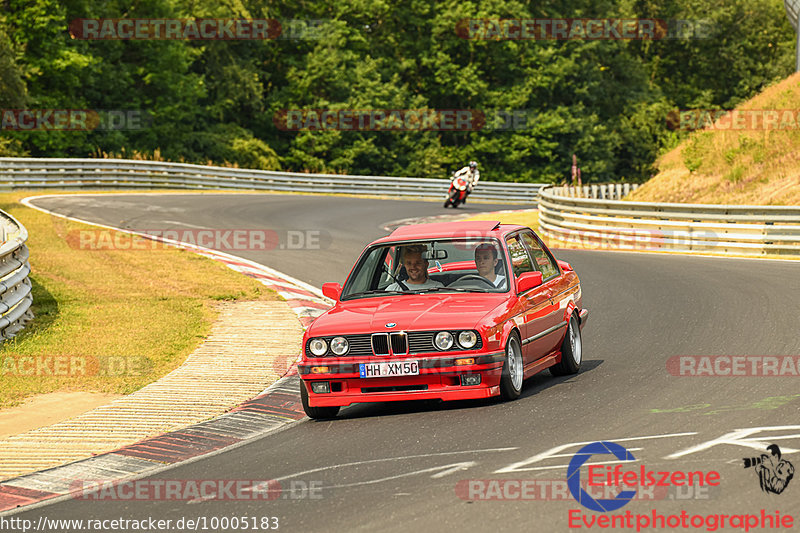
{"x": 439, "y": 378}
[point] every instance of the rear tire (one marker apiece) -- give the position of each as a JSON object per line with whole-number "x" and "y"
{"x": 571, "y": 350}
{"x": 317, "y": 413}
{"x": 512, "y": 376}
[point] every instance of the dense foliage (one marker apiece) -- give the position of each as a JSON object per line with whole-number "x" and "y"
{"x": 605, "y": 100}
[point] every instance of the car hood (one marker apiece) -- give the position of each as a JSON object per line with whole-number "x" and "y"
{"x": 408, "y": 312}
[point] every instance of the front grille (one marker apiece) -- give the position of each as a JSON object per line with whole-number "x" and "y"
{"x": 421, "y": 342}
{"x": 402, "y": 343}
{"x": 380, "y": 343}
{"x": 360, "y": 345}
{"x": 399, "y": 343}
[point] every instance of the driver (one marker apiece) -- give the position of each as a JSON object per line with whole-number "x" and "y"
{"x": 486, "y": 260}
{"x": 417, "y": 269}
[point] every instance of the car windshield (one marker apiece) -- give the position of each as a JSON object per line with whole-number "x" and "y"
{"x": 448, "y": 265}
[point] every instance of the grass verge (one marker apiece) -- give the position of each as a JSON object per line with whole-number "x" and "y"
{"x": 754, "y": 161}
{"x": 109, "y": 320}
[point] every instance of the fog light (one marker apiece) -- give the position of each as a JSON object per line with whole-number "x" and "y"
{"x": 465, "y": 361}
{"x": 321, "y": 387}
{"x": 470, "y": 379}
{"x": 320, "y": 369}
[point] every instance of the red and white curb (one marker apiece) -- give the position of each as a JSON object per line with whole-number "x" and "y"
{"x": 306, "y": 300}
{"x": 274, "y": 409}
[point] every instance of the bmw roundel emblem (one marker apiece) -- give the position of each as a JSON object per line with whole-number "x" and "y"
{"x": 391, "y": 325}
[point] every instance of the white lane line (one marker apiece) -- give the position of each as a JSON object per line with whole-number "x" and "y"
{"x": 556, "y": 467}
{"x": 747, "y": 438}
{"x": 387, "y": 459}
{"x": 183, "y": 224}
{"x": 441, "y": 471}
{"x": 518, "y": 466}
{"x": 445, "y": 470}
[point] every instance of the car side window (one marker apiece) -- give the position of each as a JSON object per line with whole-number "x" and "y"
{"x": 364, "y": 278}
{"x": 388, "y": 267}
{"x": 541, "y": 260}
{"x": 520, "y": 262}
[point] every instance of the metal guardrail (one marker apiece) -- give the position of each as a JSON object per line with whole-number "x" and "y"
{"x": 594, "y": 217}
{"x": 45, "y": 173}
{"x": 15, "y": 285}
{"x": 48, "y": 173}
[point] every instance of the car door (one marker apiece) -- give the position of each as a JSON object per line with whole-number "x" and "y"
{"x": 552, "y": 323}
{"x": 534, "y": 304}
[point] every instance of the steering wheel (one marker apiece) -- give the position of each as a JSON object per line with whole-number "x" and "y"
{"x": 471, "y": 277}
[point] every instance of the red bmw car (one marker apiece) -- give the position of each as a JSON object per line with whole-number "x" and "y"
{"x": 453, "y": 311}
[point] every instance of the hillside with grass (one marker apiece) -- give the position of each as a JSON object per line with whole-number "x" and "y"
{"x": 755, "y": 160}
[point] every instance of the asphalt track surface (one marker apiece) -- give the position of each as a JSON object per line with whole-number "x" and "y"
{"x": 408, "y": 466}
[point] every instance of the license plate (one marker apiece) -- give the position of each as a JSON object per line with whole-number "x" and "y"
{"x": 389, "y": 369}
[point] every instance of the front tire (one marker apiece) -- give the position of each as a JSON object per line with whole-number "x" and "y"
{"x": 571, "y": 350}
{"x": 317, "y": 413}
{"x": 511, "y": 378}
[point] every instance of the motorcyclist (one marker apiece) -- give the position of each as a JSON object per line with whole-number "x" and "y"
{"x": 471, "y": 174}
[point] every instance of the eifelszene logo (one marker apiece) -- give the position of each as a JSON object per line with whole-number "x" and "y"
{"x": 774, "y": 473}
{"x": 619, "y": 476}
{"x": 574, "y": 477}
{"x": 633, "y": 477}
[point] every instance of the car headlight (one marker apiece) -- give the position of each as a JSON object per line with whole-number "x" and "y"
{"x": 443, "y": 340}
{"x": 318, "y": 347}
{"x": 339, "y": 345}
{"x": 467, "y": 339}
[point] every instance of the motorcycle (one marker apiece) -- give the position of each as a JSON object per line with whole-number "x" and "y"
{"x": 457, "y": 192}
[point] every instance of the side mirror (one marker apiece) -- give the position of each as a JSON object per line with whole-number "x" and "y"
{"x": 332, "y": 290}
{"x": 564, "y": 265}
{"x": 527, "y": 281}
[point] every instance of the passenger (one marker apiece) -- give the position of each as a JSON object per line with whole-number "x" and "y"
{"x": 486, "y": 260}
{"x": 417, "y": 269}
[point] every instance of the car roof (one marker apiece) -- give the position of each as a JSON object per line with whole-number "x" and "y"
{"x": 438, "y": 230}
